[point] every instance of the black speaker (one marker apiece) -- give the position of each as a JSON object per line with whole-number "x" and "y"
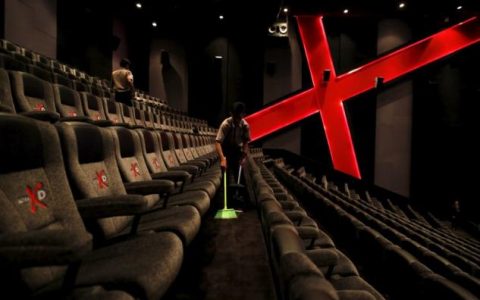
{"x": 326, "y": 75}
{"x": 379, "y": 82}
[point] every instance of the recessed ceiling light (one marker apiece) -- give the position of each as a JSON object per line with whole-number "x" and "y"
{"x": 345, "y": 11}
{"x": 138, "y": 5}
{"x": 459, "y": 7}
{"x": 220, "y": 17}
{"x": 401, "y": 5}
{"x": 218, "y": 56}
{"x": 154, "y": 24}
{"x": 285, "y": 10}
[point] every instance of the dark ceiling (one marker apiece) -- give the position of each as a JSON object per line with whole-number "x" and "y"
{"x": 180, "y": 17}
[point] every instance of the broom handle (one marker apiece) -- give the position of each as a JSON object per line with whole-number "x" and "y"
{"x": 239, "y": 174}
{"x": 224, "y": 189}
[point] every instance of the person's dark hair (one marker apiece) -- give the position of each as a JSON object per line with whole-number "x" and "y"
{"x": 238, "y": 109}
{"x": 124, "y": 63}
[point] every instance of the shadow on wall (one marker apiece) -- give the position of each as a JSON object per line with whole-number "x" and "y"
{"x": 172, "y": 80}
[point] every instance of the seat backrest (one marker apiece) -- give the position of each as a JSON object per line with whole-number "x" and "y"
{"x": 36, "y": 196}
{"x": 30, "y": 93}
{"x": 112, "y": 111}
{"x": 60, "y": 78}
{"x": 67, "y": 101}
{"x": 8, "y": 62}
{"x": 41, "y": 73}
{"x": 127, "y": 114}
{"x": 151, "y": 151}
{"x": 130, "y": 159}
{"x": 93, "y": 106}
{"x": 90, "y": 161}
{"x": 6, "y": 99}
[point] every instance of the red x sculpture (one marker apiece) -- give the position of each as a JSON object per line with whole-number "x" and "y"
{"x": 327, "y": 97}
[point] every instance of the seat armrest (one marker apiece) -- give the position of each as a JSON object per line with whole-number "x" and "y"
{"x": 76, "y": 119}
{"x": 323, "y": 257}
{"x": 4, "y": 108}
{"x": 110, "y": 206}
{"x": 149, "y": 187}
{"x": 43, "y": 247}
{"x": 307, "y": 232}
{"x": 194, "y": 170}
{"x": 295, "y": 216}
{"x": 48, "y": 116}
{"x": 175, "y": 176}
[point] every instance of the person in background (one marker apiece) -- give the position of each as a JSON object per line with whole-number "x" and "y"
{"x": 456, "y": 214}
{"x": 122, "y": 80}
{"x": 232, "y": 140}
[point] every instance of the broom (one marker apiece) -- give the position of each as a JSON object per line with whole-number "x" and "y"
{"x": 225, "y": 213}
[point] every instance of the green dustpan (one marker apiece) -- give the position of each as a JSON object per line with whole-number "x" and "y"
{"x": 225, "y": 213}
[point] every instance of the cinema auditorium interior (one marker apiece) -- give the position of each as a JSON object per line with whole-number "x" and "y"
{"x": 351, "y": 174}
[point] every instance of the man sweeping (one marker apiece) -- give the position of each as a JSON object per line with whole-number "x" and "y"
{"x": 232, "y": 148}
{"x": 232, "y": 140}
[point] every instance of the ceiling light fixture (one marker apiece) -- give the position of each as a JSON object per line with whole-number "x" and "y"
{"x": 154, "y": 24}
{"x": 401, "y": 5}
{"x": 138, "y": 5}
{"x": 220, "y": 17}
{"x": 459, "y": 7}
{"x": 345, "y": 11}
{"x": 285, "y": 10}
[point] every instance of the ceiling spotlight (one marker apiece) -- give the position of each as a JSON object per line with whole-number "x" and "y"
{"x": 345, "y": 11}
{"x": 218, "y": 56}
{"x": 285, "y": 10}
{"x": 154, "y": 24}
{"x": 459, "y": 7}
{"x": 401, "y": 5}
{"x": 220, "y": 17}
{"x": 138, "y": 5}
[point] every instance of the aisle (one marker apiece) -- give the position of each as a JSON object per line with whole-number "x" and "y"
{"x": 227, "y": 260}
{"x": 240, "y": 268}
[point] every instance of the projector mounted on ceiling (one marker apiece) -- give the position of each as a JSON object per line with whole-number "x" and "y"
{"x": 278, "y": 29}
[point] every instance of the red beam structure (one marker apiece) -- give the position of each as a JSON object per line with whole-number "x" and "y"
{"x": 327, "y": 96}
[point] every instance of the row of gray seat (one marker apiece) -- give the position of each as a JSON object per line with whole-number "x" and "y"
{"x": 304, "y": 259}
{"x": 140, "y": 225}
{"x": 462, "y": 253}
{"x": 29, "y": 95}
{"x": 382, "y": 248}
{"x": 16, "y": 58}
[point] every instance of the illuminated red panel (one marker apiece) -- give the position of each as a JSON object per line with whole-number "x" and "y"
{"x": 327, "y": 97}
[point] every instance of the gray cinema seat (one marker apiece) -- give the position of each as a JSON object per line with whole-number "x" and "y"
{"x": 45, "y": 250}
{"x": 90, "y": 159}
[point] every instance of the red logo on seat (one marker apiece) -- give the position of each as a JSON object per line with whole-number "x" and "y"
{"x": 135, "y": 170}
{"x": 72, "y": 114}
{"x": 156, "y": 163}
{"x": 102, "y": 179}
{"x": 36, "y": 196}
{"x": 39, "y": 107}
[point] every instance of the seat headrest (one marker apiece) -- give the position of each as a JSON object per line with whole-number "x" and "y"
{"x": 21, "y": 144}
{"x": 89, "y": 143}
{"x": 127, "y": 143}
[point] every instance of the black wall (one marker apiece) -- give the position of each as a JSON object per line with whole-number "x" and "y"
{"x": 214, "y": 84}
{"x": 445, "y": 128}
{"x": 2, "y": 19}
{"x": 85, "y": 38}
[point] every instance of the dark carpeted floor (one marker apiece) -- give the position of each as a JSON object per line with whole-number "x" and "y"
{"x": 228, "y": 260}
